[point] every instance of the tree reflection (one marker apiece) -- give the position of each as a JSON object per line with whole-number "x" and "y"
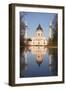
{"x": 53, "y": 60}
{"x": 23, "y": 61}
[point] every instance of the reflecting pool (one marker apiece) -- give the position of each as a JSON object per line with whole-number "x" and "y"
{"x": 38, "y": 61}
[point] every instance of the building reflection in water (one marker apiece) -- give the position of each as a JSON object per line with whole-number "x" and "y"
{"x": 39, "y": 52}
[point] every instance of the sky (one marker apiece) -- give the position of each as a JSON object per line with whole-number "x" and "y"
{"x": 33, "y": 19}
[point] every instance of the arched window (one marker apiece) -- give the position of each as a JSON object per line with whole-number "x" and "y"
{"x": 38, "y": 34}
{"x": 38, "y": 42}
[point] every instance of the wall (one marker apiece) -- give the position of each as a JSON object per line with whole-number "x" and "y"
{"x": 4, "y": 45}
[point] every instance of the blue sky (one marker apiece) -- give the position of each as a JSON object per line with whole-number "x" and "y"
{"x": 33, "y": 19}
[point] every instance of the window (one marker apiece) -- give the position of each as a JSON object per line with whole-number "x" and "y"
{"x": 38, "y": 34}
{"x": 38, "y": 42}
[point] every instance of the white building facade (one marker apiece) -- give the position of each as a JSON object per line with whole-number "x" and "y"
{"x": 39, "y": 37}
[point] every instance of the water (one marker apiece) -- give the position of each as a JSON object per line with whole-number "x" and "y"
{"x": 38, "y": 61}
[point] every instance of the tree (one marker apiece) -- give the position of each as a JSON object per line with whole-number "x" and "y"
{"x": 55, "y": 29}
{"x": 54, "y": 39}
{"x": 22, "y": 29}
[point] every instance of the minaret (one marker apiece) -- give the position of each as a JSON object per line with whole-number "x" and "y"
{"x": 50, "y": 31}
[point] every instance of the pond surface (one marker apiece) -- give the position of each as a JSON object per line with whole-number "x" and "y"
{"x": 38, "y": 61}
